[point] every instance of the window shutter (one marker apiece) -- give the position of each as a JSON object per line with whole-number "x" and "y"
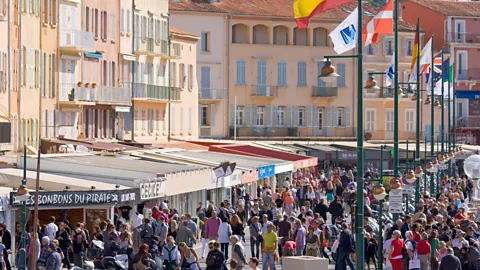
{"x": 248, "y": 118}
{"x": 128, "y": 21}
{"x": 84, "y": 18}
{"x": 347, "y": 116}
{"x": 37, "y": 67}
{"x": 181, "y": 120}
{"x": 254, "y": 115}
{"x": 341, "y": 70}
{"x": 295, "y": 116}
{"x": 308, "y": 116}
{"x": 113, "y": 26}
{"x": 428, "y": 132}
{"x": 122, "y": 20}
{"x": 212, "y": 114}
{"x": 172, "y": 118}
{"x": 315, "y": 117}
{"x": 328, "y": 120}
{"x": 90, "y": 17}
{"x": 334, "y": 116}
{"x": 189, "y": 119}
{"x": 269, "y": 116}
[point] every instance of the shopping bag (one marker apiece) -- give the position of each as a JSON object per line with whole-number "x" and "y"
{"x": 388, "y": 266}
{"x": 414, "y": 264}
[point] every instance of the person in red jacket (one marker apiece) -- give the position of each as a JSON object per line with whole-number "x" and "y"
{"x": 395, "y": 254}
{"x": 423, "y": 250}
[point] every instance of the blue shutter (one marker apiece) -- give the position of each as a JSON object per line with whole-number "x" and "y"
{"x": 334, "y": 117}
{"x": 308, "y": 116}
{"x": 73, "y": 117}
{"x": 302, "y": 74}
{"x": 205, "y": 83}
{"x": 212, "y": 114}
{"x": 315, "y": 118}
{"x": 204, "y": 42}
{"x": 341, "y": 70}
{"x": 295, "y": 116}
{"x": 428, "y": 132}
{"x": 189, "y": 119}
{"x": 262, "y": 72}
{"x": 241, "y": 72}
{"x": 282, "y": 73}
{"x": 254, "y": 115}
{"x": 181, "y": 119}
{"x": 232, "y": 115}
{"x": 347, "y": 116}
{"x": 328, "y": 121}
{"x": 248, "y": 119}
{"x": 269, "y": 115}
{"x": 320, "y": 82}
{"x": 289, "y": 116}
{"x": 128, "y": 121}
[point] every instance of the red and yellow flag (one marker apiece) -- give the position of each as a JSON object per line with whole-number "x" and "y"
{"x": 414, "y": 53}
{"x": 306, "y": 9}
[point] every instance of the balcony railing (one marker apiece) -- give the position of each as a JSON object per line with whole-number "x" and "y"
{"x": 324, "y": 91}
{"x": 73, "y": 92}
{"x": 459, "y": 37}
{"x": 462, "y": 122}
{"x": 114, "y": 94}
{"x": 472, "y": 74}
{"x": 211, "y": 94}
{"x": 78, "y": 39}
{"x": 262, "y": 131}
{"x": 264, "y": 91}
{"x": 155, "y": 92}
{"x": 151, "y": 46}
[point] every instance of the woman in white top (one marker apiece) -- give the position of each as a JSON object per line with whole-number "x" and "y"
{"x": 310, "y": 194}
{"x": 224, "y": 233}
{"x": 189, "y": 257}
{"x": 171, "y": 256}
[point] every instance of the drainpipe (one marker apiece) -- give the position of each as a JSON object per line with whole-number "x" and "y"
{"x": 229, "y": 19}
{"x": 169, "y": 104}
{"x": 40, "y": 57}
{"x": 19, "y": 99}
{"x": 133, "y": 73}
{"x": 8, "y": 69}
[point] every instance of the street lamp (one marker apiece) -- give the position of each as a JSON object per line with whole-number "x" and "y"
{"x": 371, "y": 84}
{"x": 22, "y": 195}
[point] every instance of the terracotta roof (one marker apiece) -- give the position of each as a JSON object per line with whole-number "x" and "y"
{"x": 273, "y": 8}
{"x": 181, "y": 32}
{"x": 451, "y": 8}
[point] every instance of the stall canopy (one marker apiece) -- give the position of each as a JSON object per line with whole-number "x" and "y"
{"x": 299, "y": 161}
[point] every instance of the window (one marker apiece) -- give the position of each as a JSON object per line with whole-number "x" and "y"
{"x": 239, "y": 115}
{"x": 301, "y": 116}
{"x": 341, "y": 70}
{"x": 409, "y": 120}
{"x": 260, "y": 116}
{"x": 241, "y": 72}
{"x": 370, "y": 49}
{"x": 44, "y": 72}
{"x": 340, "y": 117}
{"x": 112, "y": 19}
{"x": 203, "y": 115}
{"x": 388, "y": 46}
{"x": 408, "y": 47}
{"x": 144, "y": 27}
{"x": 370, "y": 119}
{"x": 181, "y": 78}
{"x": 128, "y": 21}
{"x": 122, "y": 20}
{"x": 157, "y": 31}
{"x": 97, "y": 24}
{"x": 320, "y": 118}
{"x": 205, "y": 41}
{"x": 282, "y": 73}
{"x": 302, "y": 74}
{"x": 143, "y": 120}
{"x": 460, "y": 31}
{"x": 53, "y": 67}
{"x": 280, "y": 116}
{"x": 459, "y": 109}
{"x": 190, "y": 77}
{"x": 157, "y": 120}
{"x": 462, "y": 64}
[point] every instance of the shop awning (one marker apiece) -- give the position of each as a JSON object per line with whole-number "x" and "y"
{"x": 97, "y": 55}
{"x": 299, "y": 161}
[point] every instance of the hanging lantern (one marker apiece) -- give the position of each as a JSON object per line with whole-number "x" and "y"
{"x": 410, "y": 176}
{"x": 379, "y": 192}
{"x": 419, "y": 172}
{"x": 437, "y": 103}
{"x": 451, "y": 155}
{"x": 414, "y": 97}
{"x": 428, "y": 101}
{"x": 395, "y": 183}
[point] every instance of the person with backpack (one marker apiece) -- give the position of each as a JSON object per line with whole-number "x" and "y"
{"x": 146, "y": 231}
{"x": 79, "y": 239}
{"x": 64, "y": 241}
{"x": 215, "y": 258}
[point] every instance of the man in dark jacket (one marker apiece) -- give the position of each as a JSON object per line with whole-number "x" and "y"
{"x": 335, "y": 209}
{"x": 345, "y": 247}
{"x": 450, "y": 262}
{"x": 322, "y": 209}
{"x": 54, "y": 260}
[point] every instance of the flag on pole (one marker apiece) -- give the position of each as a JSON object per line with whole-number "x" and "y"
{"x": 437, "y": 75}
{"x": 382, "y": 23}
{"x": 344, "y": 36}
{"x": 426, "y": 56}
{"x": 447, "y": 77}
{"x": 304, "y": 10}
{"x": 413, "y": 66}
{"x": 391, "y": 72}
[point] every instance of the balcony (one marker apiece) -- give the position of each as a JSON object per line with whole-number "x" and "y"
{"x": 72, "y": 40}
{"x": 468, "y": 122}
{"x": 74, "y": 94}
{"x": 211, "y": 95}
{"x": 264, "y": 91}
{"x": 262, "y": 131}
{"x": 143, "y": 91}
{"x": 472, "y": 74}
{"x": 324, "y": 91}
{"x": 459, "y": 37}
{"x": 151, "y": 47}
{"x": 113, "y": 95}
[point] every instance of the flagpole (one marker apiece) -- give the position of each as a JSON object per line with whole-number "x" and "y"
{"x": 417, "y": 142}
{"x": 395, "y": 97}
{"x": 432, "y": 93}
{"x": 359, "y": 234}
{"x": 443, "y": 110}
{"x": 449, "y": 128}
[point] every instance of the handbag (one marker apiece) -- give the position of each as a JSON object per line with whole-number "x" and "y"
{"x": 414, "y": 264}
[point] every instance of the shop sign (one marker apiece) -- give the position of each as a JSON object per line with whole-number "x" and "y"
{"x": 129, "y": 195}
{"x": 151, "y": 188}
{"x": 70, "y": 198}
{"x": 348, "y": 155}
{"x": 227, "y": 181}
{"x": 306, "y": 163}
{"x": 395, "y": 201}
{"x": 250, "y": 176}
{"x": 266, "y": 171}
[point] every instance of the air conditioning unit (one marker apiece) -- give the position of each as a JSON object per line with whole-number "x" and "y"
{"x": 267, "y": 92}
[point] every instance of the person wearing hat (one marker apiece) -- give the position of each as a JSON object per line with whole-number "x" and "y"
{"x": 54, "y": 260}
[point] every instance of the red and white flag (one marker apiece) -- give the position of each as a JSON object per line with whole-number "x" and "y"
{"x": 382, "y": 23}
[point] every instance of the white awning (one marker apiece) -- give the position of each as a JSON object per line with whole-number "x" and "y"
{"x": 129, "y": 57}
{"x": 122, "y": 109}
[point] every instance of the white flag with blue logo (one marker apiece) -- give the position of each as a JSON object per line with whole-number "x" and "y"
{"x": 391, "y": 72}
{"x": 344, "y": 36}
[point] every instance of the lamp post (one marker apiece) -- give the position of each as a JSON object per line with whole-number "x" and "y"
{"x": 23, "y": 195}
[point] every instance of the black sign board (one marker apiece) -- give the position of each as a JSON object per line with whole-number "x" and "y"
{"x": 78, "y": 198}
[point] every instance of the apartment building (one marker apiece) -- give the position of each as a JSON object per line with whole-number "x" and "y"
{"x": 456, "y": 27}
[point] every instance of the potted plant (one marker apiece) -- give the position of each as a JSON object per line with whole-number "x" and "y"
{"x": 71, "y": 96}
{"x": 79, "y": 84}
